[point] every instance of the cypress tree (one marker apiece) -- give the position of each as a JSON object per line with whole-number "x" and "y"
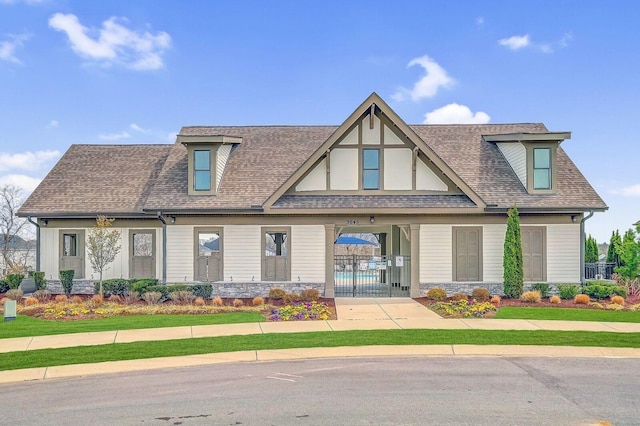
{"x": 591, "y": 253}
{"x": 612, "y": 255}
{"x": 512, "y": 261}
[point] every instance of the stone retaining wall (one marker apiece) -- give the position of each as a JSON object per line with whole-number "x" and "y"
{"x": 467, "y": 288}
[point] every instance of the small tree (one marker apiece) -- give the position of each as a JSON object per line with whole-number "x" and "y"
{"x": 591, "y": 252}
{"x": 66, "y": 278}
{"x": 612, "y": 256}
{"x": 629, "y": 252}
{"x": 103, "y": 245}
{"x": 512, "y": 261}
{"x": 14, "y": 232}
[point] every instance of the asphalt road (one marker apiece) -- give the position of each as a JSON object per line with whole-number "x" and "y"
{"x": 386, "y": 391}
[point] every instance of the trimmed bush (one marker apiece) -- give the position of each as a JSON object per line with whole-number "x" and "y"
{"x": 582, "y": 299}
{"x": 165, "y": 290}
{"x": 42, "y": 295}
{"x": 276, "y": 293}
{"x": 217, "y": 301}
{"x": 496, "y": 300}
{"x": 66, "y": 277}
{"x": 543, "y": 288}
{"x": 14, "y": 294}
{"x": 310, "y": 295}
{"x": 480, "y": 294}
{"x": 568, "y": 291}
{"x": 512, "y": 264}
{"x": 39, "y": 280}
{"x": 602, "y": 291}
{"x": 237, "y": 303}
{"x": 202, "y": 290}
{"x": 531, "y": 297}
{"x": 141, "y": 286}
{"x": 437, "y": 294}
{"x": 257, "y": 301}
{"x": 76, "y": 299}
{"x": 152, "y": 297}
{"x": 618, "y": 300}
{"x": 182, "y": 296}
{"x": 459, "y": 296}
{"x": 290, "y": 298}
{"x": 60, "y": 298}
{"x": 117, "y": 286}
{"x": 4, "y": 286}
{"x": 96, "y": 299}
{"x": 14, "y": 280}
{"x": 555, "y": 299}
{"x": 199, "y": 301}
{"x": 31, "y": 301}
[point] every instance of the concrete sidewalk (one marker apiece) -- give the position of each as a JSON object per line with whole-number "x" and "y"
{"x": 353, "y": 314}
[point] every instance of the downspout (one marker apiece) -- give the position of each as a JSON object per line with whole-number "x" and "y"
{"x": 164, "y": 247}
{"x": 582, "y": 243}
{"x": 37, "y": 243}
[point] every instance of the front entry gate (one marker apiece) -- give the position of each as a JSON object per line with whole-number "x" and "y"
{"x": 372, "y": 276}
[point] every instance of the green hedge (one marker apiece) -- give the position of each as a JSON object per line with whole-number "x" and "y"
{"x": 543, "y": 288}
{"x": 198, "y": 290}
{"x": 66, "y": 277}
{"x": 4, "y": 286}
{"x": 602, "y": 291}
{"x": 14, "y": 280}
{"x": 39, "y": 280}
{"x": 141, "y": 286}
{"x": 202, "y": 290}
{"x": 568, "y": 291}
{"x": 117, "y": 286}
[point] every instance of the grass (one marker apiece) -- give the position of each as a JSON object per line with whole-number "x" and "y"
{"x": 567, "y": 314}
{"x": 24, "y": 326}
{"x": 142, "y": 350}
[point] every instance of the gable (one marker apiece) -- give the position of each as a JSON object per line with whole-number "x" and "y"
{"x": 374, "y": 153}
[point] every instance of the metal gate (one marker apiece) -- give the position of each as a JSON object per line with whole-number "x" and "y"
{"x": 372, "y": 276}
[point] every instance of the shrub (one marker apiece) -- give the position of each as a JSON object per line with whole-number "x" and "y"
{"x": 602, "y": 291}
{"x": 291, "y": 297}
{"x": 237, "y": 303}
{"x": 459, "y": 296}
{"x": 257, "y": 301}
{"x": 543, "y": 288}
{"x": 60, "y": 298}
{"x": 114, "y": 298}
{"x": 39, "y": 280}
{"x": 75, "y": 299}
{"x": 14, "y": 294}
{"x": 165, "y": 290}
{"x": 199, "y": 301}
{"x": 512, "y": 264}
{"x": 436, "y": 294}
{"x": 596, "y": 305}
{"x": 4, "y": 286}
{"x": 202, "y": 290}
{"x": 618, "y": 300}
{"x": 480, "y": 294}
{"x": 31, "y": 301}
{"x": 152, "y": 297}
{"x": 14, "y": 280}
{"x": 582, "y": 299}
{"x": 96, "y": 299}
{"x": 555, "y": 299}
{"x": 217, "y": 301}
{"x": 182, "y": 296}
{"x": 309, "y": 295}
{"x": 66, "y": 277}
{"x": 130, "y": 297}
{"x": 496, "y": 300}
{"x": 117, "y": 286}
{"x": 531, "y": 297}
{"x": 141, "y": 286}
{"x": 276, "y": 293}
{"x": 42, "y": 295}
{"x": 615, "y": 307}
{"x": 568, "y": 291}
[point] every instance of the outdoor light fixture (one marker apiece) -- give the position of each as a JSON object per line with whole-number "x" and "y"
{"x": 574, "y": 218}
{"x": 173, "y": 219}
{"x": 372, "y": 219}
{"x": 45, "y": 222}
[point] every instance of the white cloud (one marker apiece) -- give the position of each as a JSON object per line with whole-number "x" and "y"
{"x": 114, "y": 136}
{"x": 629, "y": 191}
{"x": 455, "y": 114}
{"x": 515, "y": 42}
{"x": 427, "y": 87}
{"x": 137, "y": 128}
{"x": 26, "y": 183}
{"x": 8, "y": 47}
{"x": 114, "y": 43}
{"x": 32, "y": 161}
{"x": 53, "y": 124}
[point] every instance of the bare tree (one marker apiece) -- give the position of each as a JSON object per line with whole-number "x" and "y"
{"x": 103, "y": 245}
{"x": 15, "y": 248}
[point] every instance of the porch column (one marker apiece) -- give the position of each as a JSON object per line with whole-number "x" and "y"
{"x": 329, "y": 239}
{"x": 415, "y": 260}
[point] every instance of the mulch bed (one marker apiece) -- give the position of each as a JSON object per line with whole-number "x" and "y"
{"x": 569, "y": 303}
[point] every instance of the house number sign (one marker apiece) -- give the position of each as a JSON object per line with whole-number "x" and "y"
{"x": 353, "y": 221}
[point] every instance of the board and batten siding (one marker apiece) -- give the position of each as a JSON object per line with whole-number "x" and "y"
{"x": 179, "y": 253}
{"x": 242, "y": 251}
{"x": 563, "y": 253}
{"x": 516, "y": 155}
{"x": 435, "y": 253}
{"x": 308, "y": 253}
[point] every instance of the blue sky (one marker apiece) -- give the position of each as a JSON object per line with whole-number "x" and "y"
{"x": 134, "y": 72}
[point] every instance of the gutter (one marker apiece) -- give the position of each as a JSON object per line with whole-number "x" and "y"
{"x": 164, "y": 247}
{"x": 582, "y": 243}
{"x": 37, "y": 243}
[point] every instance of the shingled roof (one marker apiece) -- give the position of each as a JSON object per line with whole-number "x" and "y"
{"x": 134, "y": 179}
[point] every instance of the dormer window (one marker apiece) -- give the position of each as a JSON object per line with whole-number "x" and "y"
{"x": 370, "y": 169}
{"x": 541, "y": 168}
{"x": 202, "y": 170}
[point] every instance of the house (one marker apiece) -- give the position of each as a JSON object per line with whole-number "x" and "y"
{"x": 20, "y": 254}
{"x": 274, "y": 199}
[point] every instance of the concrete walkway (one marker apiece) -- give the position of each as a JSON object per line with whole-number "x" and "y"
{"x": 353, "y": 314}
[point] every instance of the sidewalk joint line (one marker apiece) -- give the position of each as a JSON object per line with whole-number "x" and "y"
{"x": 115, "y": 337}
{"x": 29, "y": 344}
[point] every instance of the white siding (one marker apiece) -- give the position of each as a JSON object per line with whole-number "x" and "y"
{"x": 179, "y": 254}
{"x": 242, "y": 252}
{"x": 493, "y": 252}
{"x": 344, "y": 169}
{"x": 49, "y": 252}
{"x": 370, "y": 136}
{"x": 516, "y": 155}
{"x": 120, "y": 266}
{"x": 391, "y": 138}
{"x": 307, "y": 253}
{"x": 563, "y": 253}
{"x": 397, "y": 169}
{"x": 435, "y": 253}
{"x": 351, "y": 138}
{"x": 221, "y": 161}
{"x": 316, "y": 180}
{"x": 427, "y": 180}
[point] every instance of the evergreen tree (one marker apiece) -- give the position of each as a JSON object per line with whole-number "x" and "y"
{"x": 612, "y": 256}
{"x": 591, "y": 253}
{"x": 629, "y": 252}
{"x": 512, "y": 261}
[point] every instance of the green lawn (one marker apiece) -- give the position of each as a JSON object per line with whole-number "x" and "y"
{"x": 24, "y": 326}
{"x": 141, "y": 350}
{"x": 567, "y": 314}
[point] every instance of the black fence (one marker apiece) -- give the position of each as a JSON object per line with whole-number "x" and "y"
{"x": 599, "y": 271}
